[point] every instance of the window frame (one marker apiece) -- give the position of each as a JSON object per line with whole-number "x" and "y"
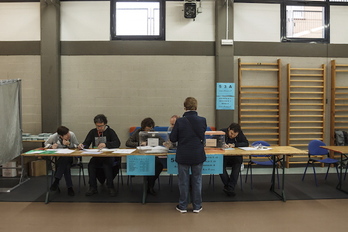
{"x": 326, "y": 16}
{"x": 113, "y": 35}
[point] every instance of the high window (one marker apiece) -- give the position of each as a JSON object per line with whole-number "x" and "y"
{"x": 137, "y": 20}
{"x": 305, "y": 21}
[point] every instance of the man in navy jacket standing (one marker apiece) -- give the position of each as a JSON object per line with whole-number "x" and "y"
{"x": 189, "y": 131}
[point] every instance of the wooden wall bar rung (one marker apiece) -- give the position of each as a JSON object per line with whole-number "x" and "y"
{"x": 306, "y": 121}
{"x": 254, "y": 122}
{"x": 308, "y": 81}
{"x": 261, "y": 93}
{"x": 305, "y": 98}
{"x": 259, "y": 69}
{"x": 253, "y": 128}
{"x": 259, "y": 64}
{"x": 305, "y": 75}
{"x": 260, "y": 98}
{"x": 258, "y": 110}
{"x": 312, "y": 110}
{"x": 305, "y": 92}
{"x": 300, "y": 139}
{"x": 259, "y": 116}
{"x": 259, "y": 87}
{"x": 306, "y": 116}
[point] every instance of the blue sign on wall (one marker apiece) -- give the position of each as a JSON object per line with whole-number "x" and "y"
{"x": 225, "y": 93}
{"x": 141, "y": 165}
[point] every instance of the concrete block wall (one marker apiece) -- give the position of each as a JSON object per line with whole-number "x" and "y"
{"x": 129, "y": 88}
{"x": 26, "y": 68}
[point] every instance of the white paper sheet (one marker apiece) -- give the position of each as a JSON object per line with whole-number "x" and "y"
{"x": 254, "y": 148}
{"x": 123, "y": 151}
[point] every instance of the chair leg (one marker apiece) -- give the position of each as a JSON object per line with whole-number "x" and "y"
{"x": 278, "y": 177}
{"x": 241, "y": 180}
{"x": 305, "y": 171}
{"x": 315, "y": 175}
{"x": 246, "y": 176}
{"x": 327, "y": 172}
{"x": 338, "y": 173}
{"x": 251, "y": 176}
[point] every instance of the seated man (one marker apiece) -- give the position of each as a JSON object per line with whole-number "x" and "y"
{"x": 63, "y": 138}
{"x": 234, "y": 137}
{"x": 101, "y": 137}
{"x": 146, "y": 125}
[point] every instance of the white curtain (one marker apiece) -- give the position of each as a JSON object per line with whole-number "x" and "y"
{"x": 10, "y": 120}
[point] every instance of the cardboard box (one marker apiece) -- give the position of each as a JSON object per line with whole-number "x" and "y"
{"x": 9, "y": 172}
{"x": 37, "y": 168}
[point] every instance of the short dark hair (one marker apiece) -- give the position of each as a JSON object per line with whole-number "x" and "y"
{"x": 100, "y": 118}
{"x": 62, "y": 130}
{"x": 147, "y": 122}
{"x": 190, "y": 103}
{"x": 235, "y": 127}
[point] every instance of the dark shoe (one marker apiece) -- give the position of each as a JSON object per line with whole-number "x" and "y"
{"x": 54, "y": 186}
{"x": 112, "y": 192}
{"x": 151, "y": 191}
{"x": 71, "y": 191}
{"x": 229, "y": 192}
{"x": 91, "y": 191}
{"x": 198, "y": 210}
{"x": 181, "y": 210}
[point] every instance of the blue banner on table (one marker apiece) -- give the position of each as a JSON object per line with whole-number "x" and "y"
{"x": 213, "y": 164}
{"x": 141, "y": 165}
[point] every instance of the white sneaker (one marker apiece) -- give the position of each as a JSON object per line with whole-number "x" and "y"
{"x": 198, "y": 210}
{"x": 181, "y": 210}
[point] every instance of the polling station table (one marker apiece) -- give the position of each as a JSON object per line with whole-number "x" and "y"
{"x": 49, "y": 154}
{"x": 213, "y": 165}
{"x": 276, "y": 152}
{"x": 143, "y": 164}
{"x": 343, "y": 150}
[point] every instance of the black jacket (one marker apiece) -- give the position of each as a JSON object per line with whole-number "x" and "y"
{"x": 190, "y": 150}
{"x": 239, "y": 141}
{"x": 112, "y": 140}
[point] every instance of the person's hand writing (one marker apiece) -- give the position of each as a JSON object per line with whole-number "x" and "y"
{"x": 101, "y": 145}
{"x": 229, "y": 145}
{"x": 80, "y": 146}
{"x": 54, "y": 146}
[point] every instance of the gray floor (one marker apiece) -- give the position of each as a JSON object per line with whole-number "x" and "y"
{"x": 291, "y": 216}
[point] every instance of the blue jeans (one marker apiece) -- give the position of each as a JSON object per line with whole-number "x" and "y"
{"x": 184, "y": 185}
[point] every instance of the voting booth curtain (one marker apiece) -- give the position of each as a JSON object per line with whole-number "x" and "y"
{"x": 10, "y": 120}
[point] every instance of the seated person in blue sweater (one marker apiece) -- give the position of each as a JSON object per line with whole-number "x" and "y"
{"x": 63, "y": 138}
{"x": 234, "y": 137}
{"x": 101, "y": 137}
{"x": 146, "y": 125}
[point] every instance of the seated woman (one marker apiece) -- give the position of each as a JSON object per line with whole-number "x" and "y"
{"x": 146, "y": 125}
{"x": 63, "y": 138}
